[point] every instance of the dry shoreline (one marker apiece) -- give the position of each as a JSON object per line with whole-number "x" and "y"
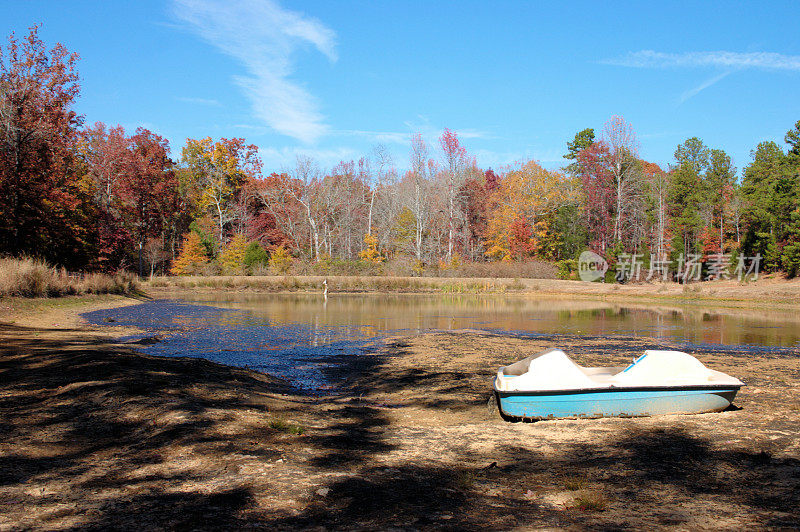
{"x": 767, "y": 292}
{"x": 96, "y": 436}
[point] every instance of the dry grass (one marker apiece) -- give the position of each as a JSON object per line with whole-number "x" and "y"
{"x": 341, "y": 284}
{"x": 575, "y": 483}
{"x": 26, "y": 277}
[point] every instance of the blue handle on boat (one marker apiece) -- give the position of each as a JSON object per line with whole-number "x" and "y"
{"x": 634, "y": 363}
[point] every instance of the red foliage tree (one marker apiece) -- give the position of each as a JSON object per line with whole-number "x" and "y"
{"x": 492, "y": 180}
{"x": 520, "y": 240}
{"x": 106, "y": 152}
{"x": 598, "y": 188}
{"x": 148, "y": 188}
{"x": 477, "y": 191}
{"x": 41, "y": 191}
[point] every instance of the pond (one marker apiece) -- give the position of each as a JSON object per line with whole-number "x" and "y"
{"x": 299, "y": 336}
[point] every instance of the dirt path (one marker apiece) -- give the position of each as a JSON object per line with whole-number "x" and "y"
{"x": 94, "y": 435}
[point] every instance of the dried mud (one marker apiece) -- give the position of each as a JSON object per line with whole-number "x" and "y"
{"x": 95, "y": 436}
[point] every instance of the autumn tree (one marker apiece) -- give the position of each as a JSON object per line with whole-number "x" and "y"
{"x": 293, "y": 198}
{"x": 232, "y": 258}
{"x": 455, "y": 170}
{"x": 41, "y": 190}
{"x": 155, "y": 253}
{"x": 623, "y": 148}
{"x": 418, "y": 198}
{"x": 192, "y": 257}
{"x": 386, "y": 202}
{"x": 598, "y": 191}
{"x": 219, "y": 170}
{"x": 528, "y": 194}
{"x": 147, "y": 188}
{"x": 657, "y": 183}
{"x": 477, "y": 191}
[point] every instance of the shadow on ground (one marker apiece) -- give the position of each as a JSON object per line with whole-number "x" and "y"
{"x": 93, "y": 436}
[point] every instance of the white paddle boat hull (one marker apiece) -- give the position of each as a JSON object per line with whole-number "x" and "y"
{"x": 550, "y": 386}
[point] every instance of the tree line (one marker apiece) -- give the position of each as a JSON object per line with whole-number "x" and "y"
{"x": 99, "y": 198}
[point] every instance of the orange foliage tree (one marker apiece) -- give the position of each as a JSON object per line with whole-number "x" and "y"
{"x": 192, "y": 257}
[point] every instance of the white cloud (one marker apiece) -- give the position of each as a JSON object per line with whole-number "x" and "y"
{"x": 736, "y": 60}
{"x": 262, "y": 37}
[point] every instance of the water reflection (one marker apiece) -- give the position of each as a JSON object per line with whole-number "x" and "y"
{"x": 373, "y": 315}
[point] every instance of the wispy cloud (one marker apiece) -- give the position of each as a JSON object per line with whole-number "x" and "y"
{"x": 199, "y": 101}
{"x": 734, "y": 60}
{"x": 381, "y": 137}
{"x": 262, "y": 36}
{"x": 285, "y": 158}
{"x": 704, "y": 85}
{"x": 729, "y": 61}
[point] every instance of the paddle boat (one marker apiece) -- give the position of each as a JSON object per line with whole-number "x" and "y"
{"x": 548, "y": 385}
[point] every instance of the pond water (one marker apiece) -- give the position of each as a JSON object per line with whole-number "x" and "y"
{"x": 299, "y": 336}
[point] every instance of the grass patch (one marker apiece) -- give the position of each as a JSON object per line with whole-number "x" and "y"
{"x": 591, "y": 502}
{"x": 281, "y": 425}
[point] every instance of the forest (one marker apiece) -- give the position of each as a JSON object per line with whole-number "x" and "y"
{"x": 97, "y": 198}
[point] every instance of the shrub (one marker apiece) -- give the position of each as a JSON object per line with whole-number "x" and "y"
{"x": 591, "y": 502}
{"x": 567, "y": 269}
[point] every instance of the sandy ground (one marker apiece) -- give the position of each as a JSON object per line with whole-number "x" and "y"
{"x": 95, "y": 436}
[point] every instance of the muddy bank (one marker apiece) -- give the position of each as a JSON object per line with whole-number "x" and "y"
{"x": 95, "y": 435}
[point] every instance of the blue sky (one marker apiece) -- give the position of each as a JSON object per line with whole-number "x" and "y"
{"x": 517, "y": 80}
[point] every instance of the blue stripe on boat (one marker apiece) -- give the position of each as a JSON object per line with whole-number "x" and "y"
{"x": 616, "y": 402}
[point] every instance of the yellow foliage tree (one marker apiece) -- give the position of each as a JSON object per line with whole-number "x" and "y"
{"x": 216, "y": 171}
{"x": 405, "y": 225}
{"x": 232, "y": 257}
{"x": 520, "y": 206}
{"x": 280, "y": 261}
{"x": 192, "y": 256}
{"x": 372, "y": 253}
